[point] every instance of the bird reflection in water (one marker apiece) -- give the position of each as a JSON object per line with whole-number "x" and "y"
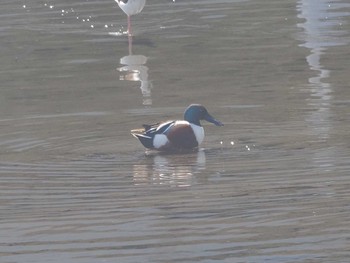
{"x": 318, "y": 35}
{"x": 134, "y": 66}
{"x": 173, "y": 170}
{"x": 134, "y": 69}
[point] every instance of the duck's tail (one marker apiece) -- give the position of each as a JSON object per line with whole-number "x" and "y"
{"x": 147, "y": 141}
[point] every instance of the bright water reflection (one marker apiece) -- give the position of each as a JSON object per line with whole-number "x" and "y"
{"x": 322, "y": 29}
{"x": 134, "y": 66}
{"x": 173, "y": 170}
{"x": 134, "y": 69}
{"x": 271, "y": 186}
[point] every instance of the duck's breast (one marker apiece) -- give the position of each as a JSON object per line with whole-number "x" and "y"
{"x": 199, "y": 132}
{"x": 183, "y": 135}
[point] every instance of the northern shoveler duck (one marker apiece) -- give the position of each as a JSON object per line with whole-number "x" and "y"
{"x": 176, "y": 135}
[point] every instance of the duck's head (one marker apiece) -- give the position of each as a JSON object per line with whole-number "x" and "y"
{"x": 196, "y": 112}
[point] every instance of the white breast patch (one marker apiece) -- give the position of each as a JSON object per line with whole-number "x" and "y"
{"x": 198, "y": 132}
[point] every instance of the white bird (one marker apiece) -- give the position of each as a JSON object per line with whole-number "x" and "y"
{"x": 131, "y": 7}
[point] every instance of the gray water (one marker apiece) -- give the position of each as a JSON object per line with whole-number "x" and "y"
{"x": 272, "y": 185}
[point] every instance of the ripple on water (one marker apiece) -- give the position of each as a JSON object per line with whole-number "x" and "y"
{"x": 74, "y": 187}
{"x": 132, "y": 207}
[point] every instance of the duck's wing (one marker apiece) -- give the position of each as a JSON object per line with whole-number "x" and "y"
{"x": 149, "y": 131}
{"x": 145, "y": 128}
{"x": 155, "y": 128}
{"x": 150, "y": 126}
{"x": 164, "y": 127}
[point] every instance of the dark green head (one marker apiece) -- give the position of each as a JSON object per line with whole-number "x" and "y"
{"x": 196, "y": 112}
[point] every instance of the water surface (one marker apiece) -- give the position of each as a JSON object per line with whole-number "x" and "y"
{"x": 270, "y": 186}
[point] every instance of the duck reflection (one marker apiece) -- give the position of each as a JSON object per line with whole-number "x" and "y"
{"x": 134, "y": 69}
{"x": 173, "y": 170}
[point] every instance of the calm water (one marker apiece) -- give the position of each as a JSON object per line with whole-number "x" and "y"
{"x": 272, "y": 185}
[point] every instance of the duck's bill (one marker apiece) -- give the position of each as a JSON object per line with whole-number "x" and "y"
{"x": 211, "y": 119}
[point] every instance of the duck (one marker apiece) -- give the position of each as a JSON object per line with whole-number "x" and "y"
{"x": 131, "y": 7}
{"x": 176, "y": 135}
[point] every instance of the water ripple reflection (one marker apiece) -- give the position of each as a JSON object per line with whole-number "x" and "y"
{"x": 271, "y": 186}
{"x": 173, "y": 170}
{"x": 125, "y": 207}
